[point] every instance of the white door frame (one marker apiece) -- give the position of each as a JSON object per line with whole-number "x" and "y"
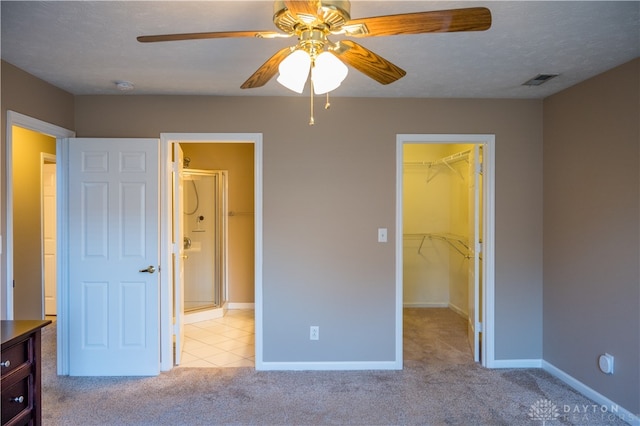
{"x": 30, "y": 123}
{"x": 166, "y": 286}
{"x": 488, "y": 245}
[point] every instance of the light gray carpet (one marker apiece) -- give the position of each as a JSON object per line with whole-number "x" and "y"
{"x": 439, "y": 385}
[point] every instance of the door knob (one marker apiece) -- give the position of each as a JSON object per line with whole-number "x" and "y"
{"x": 151, "y": 269}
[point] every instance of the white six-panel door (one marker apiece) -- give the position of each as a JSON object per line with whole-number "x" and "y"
{"x": 113, "y": 223}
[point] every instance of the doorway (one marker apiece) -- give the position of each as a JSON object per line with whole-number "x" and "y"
{"x": 444, "y": 244}
{"x": 217, "y": 259}
{"x": 25, "y": 229}
{"x": 240, "y": 155}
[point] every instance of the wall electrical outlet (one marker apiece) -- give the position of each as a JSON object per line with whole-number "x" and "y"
{"x": 314, "y": 332}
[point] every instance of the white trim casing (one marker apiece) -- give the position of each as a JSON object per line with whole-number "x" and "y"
{"x": 166, "y": 293}
{"x": 488, "y": 245}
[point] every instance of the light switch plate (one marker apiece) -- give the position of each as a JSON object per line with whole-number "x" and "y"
{"x": 382, "y": 235}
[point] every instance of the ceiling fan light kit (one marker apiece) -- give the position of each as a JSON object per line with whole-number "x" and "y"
{"x": 313, "y": 21}
{"x": 294, "y": 70}
{"x": 328, "y": 73}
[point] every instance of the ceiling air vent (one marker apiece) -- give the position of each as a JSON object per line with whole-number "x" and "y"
{"x": 539, "y": 79}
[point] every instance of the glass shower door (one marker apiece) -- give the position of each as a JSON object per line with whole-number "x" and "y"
{"x": 205, "y": 240}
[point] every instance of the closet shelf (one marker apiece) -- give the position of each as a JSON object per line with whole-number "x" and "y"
{"x": 446, "y": 161}
{"x": 455, "y": 241}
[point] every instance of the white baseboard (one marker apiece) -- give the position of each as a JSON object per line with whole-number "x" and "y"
{"x": 515, "y": 363}
{"x": 236, "y": 305}
{"x": 622, "y": 413}
{"x": 458, "y": 311}
{"x": 204, "y": 315}
{"x": 426, "y": 305}
{"x": 328, "y": 366}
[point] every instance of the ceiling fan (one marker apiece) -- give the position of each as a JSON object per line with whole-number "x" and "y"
{"x": 312, "y": 22}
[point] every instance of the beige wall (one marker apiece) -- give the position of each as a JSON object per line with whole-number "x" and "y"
{"x": 327, "y": 189}
{"x": 238, "y": 160}
{"x": 591, "y": 232}
{"x": 28, "y": 95}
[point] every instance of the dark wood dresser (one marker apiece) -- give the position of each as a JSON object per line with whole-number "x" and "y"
{"x": 21, "y": 372}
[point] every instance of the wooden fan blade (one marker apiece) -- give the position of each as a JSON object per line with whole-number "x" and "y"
{"x": 201, "y": 36}
{"x": 368, "y": 63}
{"x": 303, "y": 7}
{"x": 441, "y": 21}
{"x": 266, "y": 70}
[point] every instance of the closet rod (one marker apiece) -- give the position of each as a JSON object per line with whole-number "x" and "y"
{"x": 449, "y": 240}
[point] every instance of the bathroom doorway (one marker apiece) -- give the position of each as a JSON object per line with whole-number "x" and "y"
{"x": 217, "y": 237}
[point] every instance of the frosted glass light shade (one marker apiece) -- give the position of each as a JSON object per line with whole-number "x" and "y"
{"x": 294, "y": 71}
{"x": 328, "y": 73}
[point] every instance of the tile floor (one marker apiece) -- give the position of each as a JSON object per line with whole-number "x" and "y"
{"x": 223, "y": 342}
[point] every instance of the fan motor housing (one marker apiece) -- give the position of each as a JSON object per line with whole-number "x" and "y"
{"x": 330, "y": 17}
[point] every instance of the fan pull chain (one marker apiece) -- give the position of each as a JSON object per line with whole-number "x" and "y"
{"x": 328, "y": 104}
{"x": 311, "y": 120}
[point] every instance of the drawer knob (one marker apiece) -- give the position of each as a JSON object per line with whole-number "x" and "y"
{"x": 5, "y": 363}
{"x": 18, "y": 399}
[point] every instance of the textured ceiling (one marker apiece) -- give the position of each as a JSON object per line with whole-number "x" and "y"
{"x": 83, "y": 47}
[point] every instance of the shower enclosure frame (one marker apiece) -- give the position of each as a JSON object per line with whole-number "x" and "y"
{"x": 220, "y": 244}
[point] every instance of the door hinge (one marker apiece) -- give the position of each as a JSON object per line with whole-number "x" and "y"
{"x": 479, "y": 327}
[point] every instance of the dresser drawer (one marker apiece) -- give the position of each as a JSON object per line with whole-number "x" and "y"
{"x": 15, "y": 399}
{"x": 13, "y": 357}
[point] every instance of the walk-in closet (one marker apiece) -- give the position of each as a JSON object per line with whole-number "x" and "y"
{"x": 442, "y": 216}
